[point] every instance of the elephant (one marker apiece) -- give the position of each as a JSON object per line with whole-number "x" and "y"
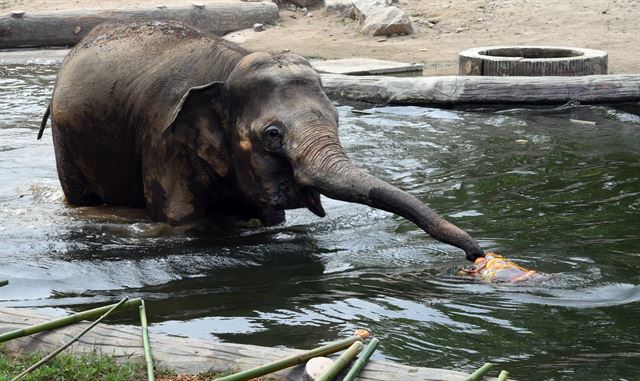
{"x": 159, "y": 115}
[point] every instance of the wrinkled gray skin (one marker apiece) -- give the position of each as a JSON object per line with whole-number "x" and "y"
{"x": 159, "y": 115}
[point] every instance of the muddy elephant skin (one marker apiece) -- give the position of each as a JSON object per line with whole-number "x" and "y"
{"x": 160, "y": 116}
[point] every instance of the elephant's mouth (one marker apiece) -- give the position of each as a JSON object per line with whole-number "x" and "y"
{"x": 311, "y": 199}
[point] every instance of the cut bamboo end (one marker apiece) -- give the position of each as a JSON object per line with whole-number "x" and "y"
{"x": 478, "y": 374}
{"x": 503, "y": 375}
{"x": 342, "y": 362}
{"x": 362, "y": 360}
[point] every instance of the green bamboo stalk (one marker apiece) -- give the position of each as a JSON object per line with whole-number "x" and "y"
{"x": 291, "y": 360}
{"x": 145, "y": 342}
{"x": 61, "y": 322}
{"x": 503, "y": 375}
{"x": 478, "y": 374}
{"x": 4, "y": 283}
{"x": 341, "y": 362}
{"x": 362, "y": 360}
{"x": 64, "y": 346}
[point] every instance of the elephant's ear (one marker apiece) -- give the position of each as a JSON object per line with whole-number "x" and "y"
{"x": 198, "y": 121}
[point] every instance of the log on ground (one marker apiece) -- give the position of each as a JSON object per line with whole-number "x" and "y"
{"x": 187, "y": 355}
{"x": 459, "y": 90}
{"x": 67, "y": 28}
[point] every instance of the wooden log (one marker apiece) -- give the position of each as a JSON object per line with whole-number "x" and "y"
{"x": 532, "y": 61}
{"x": 67, "y": 28}
{"x": 457, "y": 90}
{"x": 189, "y": 355}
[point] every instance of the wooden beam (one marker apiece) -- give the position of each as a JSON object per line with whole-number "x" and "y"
{"x": 67, "y": 28}
{"x": 457, "y": 90}
{"x": 189, "y": 355}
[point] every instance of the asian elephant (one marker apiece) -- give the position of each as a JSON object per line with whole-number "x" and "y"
{"x": 160, "y": 115}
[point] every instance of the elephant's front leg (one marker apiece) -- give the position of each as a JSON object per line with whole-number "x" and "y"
{"x": 170, "y": 189}
{"x": 270, "y": 217}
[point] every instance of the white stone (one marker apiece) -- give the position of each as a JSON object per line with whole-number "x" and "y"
{"x": 316, "y": 367}
{"x": 386, "y": 22}
{"x": 259, "y": 27}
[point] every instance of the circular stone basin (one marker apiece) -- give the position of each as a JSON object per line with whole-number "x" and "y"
{"x": 532, "y": 61}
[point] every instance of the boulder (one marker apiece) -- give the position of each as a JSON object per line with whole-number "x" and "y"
{"x": 386, "y": 22}
{"x": 342, "y": 8}
{"x": 363, "y": 8}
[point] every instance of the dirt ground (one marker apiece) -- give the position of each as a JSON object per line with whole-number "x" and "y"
{"x": 443, "y": 29}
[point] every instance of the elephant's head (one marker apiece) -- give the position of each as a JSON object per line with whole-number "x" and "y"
{"x": 283, "y": 148}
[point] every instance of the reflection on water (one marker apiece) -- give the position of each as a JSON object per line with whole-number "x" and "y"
{"x": 559, "y": 197}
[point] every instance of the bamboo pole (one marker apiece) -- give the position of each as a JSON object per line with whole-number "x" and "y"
{"x": 291, "y": 360}
{"x": 145, "y": 342}
{"x": 362, "y": 360}
{"x": 503, "y": 375}
{"x": 4, "y": 283}
{"x": 67, "y": 344}
{"x": 479, "y": 373}
{"x": 342, "y": 362}
{"x": 61, "y": 322}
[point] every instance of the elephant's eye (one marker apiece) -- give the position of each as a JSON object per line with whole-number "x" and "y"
{"x": 273, "y": 136}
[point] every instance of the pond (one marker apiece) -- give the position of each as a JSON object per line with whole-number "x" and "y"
{"x": 554, "y": 195}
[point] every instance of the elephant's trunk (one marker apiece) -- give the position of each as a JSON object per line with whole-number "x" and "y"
{"x": 331, "y": 173}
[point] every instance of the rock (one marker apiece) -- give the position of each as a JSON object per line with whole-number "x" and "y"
{"x": 387, "y": 21}
{"x": 363, "y": 8}
{"x": 17, "y": 14}
{"x": 342, "y": 8}
{"x": 259, "y": 27}
{"x": 292, "y": 7}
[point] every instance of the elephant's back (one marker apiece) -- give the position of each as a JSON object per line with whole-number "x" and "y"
{"x": 133, "y": 73}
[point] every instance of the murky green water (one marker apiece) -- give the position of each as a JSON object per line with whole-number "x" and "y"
{"x": 560, "y": 197}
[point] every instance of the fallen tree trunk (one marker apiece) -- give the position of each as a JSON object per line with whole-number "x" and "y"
{"x": 188, "y": 355}
{"x": 67, "y": 28}
{"x": 456, "y": 90}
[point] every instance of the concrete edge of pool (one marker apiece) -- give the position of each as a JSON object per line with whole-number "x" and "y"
{"x": 186, "y": 355}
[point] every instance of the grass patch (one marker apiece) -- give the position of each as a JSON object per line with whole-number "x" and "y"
{"x": 78, "y": 367}
{"x": 88, "y": 367}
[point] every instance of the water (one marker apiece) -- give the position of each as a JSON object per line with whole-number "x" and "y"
{"x": 560, "y": 197}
